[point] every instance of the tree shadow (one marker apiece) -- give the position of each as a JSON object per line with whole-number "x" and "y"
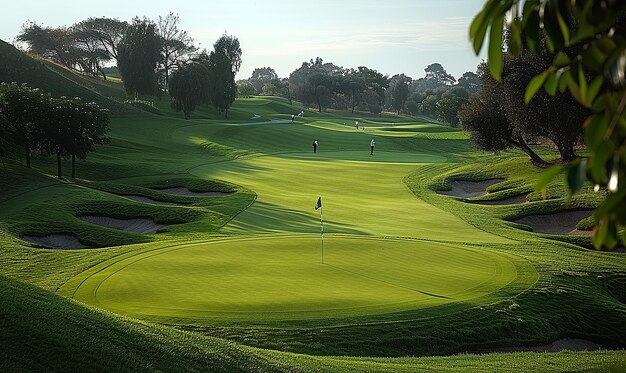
{"x": 263, "y": 217}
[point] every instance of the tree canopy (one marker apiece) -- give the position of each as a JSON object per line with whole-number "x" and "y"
{"x": 139, "y": 55}
{"x": 588, "y": 42}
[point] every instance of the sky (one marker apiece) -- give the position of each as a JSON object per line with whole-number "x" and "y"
{"x": 391, "y": 36}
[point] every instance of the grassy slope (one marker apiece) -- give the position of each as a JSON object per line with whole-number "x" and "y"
{"x": 579, "y": 294}
{"x": 44, "y": 332}
{"x": 17, "y": 67}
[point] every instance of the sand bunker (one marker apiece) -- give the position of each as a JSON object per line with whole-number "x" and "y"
{"x": 565, "y": 344}
{"x": 187, "y": 192}
{"x": 56, "y": 241}
{"x": 153, "y": 201}
{"x": 557, "y": 223}
{"x": 469, "y": 189}
{"x": 505, "y": 201}
{"x": 137, "y": 225}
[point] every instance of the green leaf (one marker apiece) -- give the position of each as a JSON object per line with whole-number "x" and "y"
{"x": 551, "y": 84}
{"x": 594, "y": 88}
{"x": 495, "y": 47}
{"x": 567, "y": 75}
{"x": 582, "y": 85}
{"x": 576, "y": 175}
{"x": 478, "y": 29}
{"x": 546, "y": 178}
{"x": 564, "y": 28}
{"x": 532, "y": 30}
{"x": 533, "y": 86}
{"x": 561, "y": 60}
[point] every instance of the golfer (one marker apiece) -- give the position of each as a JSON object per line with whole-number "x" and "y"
{"x": 357, "y": 125}
{"x": 315, "y": 144}
{"x": 372, "y": 144}
{"x": 292, "y": 116}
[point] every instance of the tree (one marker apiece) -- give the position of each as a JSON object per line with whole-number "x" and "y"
{"x": 315, "y": 82}
{"x": 353, "y": 86}
{"x": 245, "y": 89}
{"x": 223, "y": 89}
{"x": 261, "y": 76}
{"x": 447, "y": 109}
{"x": 55, "y": 44}
{"x": 88, "y": 127}
{"x": 436, "y": 73}
{"x": 229, "y": 46}
{"x": 398, "y": 91}
{"x": 176, "y": 44}
{"x": 107, "y": 31}
{"x": 25, "y": 108}
{"x": 428, "y": 105}
{"x": 470, "y": 81}
{"x": 189, "y": 86}
{"x": 489, "y": 128}
{"x": 8, "y": 138}
{"x": 139, "y": 53}
{"x": 373, "y": 101}
{"x": 557, "y": 117}
{"x": 94, "y": 53}
{"x": 588, "y": 39}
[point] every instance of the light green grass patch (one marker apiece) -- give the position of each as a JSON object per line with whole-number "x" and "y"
{"x": 282, "y": 278}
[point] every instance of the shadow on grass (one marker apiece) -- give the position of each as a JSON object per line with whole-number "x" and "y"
{"x": 265, "y": 217}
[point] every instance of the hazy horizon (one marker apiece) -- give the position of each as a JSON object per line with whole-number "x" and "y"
{"x": 395, "y": 37}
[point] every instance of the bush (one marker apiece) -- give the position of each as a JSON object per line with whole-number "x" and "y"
{"x": 144, "y": 105}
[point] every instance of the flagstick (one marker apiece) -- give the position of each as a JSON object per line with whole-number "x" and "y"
{"x": 322, "y": 224}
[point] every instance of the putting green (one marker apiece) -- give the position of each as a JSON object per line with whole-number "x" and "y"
{"x": 254, "y": 280}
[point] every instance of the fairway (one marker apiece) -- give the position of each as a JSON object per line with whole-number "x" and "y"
{"x": 282, "y": 278}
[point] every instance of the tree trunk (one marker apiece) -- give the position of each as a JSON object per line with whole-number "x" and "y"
{"x": 73, "y": 166}
{"x": 319, "y": 107}
{"x": 226, "y": 113}
{"x": 59, "y": 175}
{"x": 534, "y": 157}
{"x": 567, "y": 152}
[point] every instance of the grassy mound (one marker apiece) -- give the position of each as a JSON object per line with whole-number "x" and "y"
{"x": 18, "y": 67}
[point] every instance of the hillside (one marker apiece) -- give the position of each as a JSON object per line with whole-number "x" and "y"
{"x": 18, "y": 67}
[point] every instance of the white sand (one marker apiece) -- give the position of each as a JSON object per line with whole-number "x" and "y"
{"x": 56, "y": 241}
{"x": 137, "y": 225}
{"x": 469, "y": 189}
{"x": 557, "y": 223}
{"x": 153, "y": 201}
{"x": 186, "y": 192}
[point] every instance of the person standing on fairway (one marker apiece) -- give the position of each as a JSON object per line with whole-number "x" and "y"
{"x": 357, "y": 125}
{"x": 372, "y": 144}
{"x": 315, "y": 146}
{"x": 292, "y": 117}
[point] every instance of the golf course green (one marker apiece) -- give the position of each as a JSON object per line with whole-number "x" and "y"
{"x": 264, "y": 279}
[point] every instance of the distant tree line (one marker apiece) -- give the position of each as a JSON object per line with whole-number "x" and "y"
{"x": 34, "y": 123}
{"x": 151, "y": 57}
{"x": 91, "y": 44}
{"x": 324, "y": 85}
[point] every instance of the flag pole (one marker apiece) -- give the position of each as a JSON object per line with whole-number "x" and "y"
{"x": 322, "y": 225}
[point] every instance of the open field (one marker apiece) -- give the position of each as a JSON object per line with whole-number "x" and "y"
{"x": 232, "y": 276}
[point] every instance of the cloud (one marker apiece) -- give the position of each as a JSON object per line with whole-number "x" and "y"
{"x": 449, "y": 34}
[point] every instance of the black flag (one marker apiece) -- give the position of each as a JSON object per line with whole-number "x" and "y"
{"x": 319, "y": 203}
